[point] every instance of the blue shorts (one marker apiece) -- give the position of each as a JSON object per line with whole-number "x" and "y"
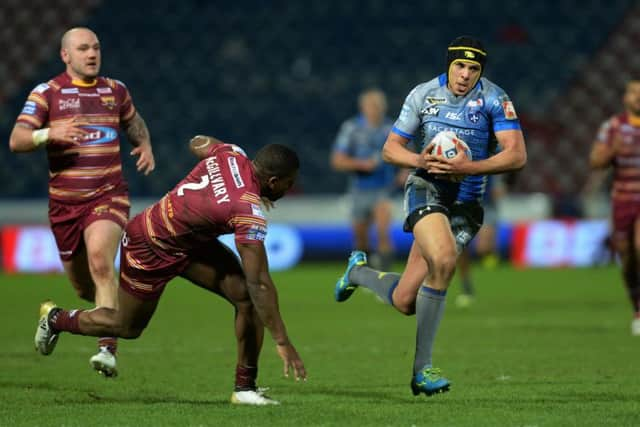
{"x": 423, "y": 197}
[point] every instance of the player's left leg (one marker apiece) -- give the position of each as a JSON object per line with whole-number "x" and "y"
{"x": 382, "y": 212}
{"x": 102, "y": 238}
{"x": 220, "y": 272}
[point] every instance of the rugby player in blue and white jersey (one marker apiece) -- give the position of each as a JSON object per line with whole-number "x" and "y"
{"x": 442, "y": 215}
{"x": 357, "y": 150}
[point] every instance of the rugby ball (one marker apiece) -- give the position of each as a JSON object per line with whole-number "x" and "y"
{"x": 447, "y": 144}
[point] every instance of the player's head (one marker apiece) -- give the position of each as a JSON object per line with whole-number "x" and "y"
{"x": 466, "y": 58}
{"x": 632, "y": 97}
{"x": 373, "y": 105}
{"x": 80, "y": 51}
{"x": 277, "y": 169}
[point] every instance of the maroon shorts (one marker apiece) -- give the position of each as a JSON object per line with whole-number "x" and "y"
{"x": 68, "y": 221}
{"x": 145, "y": 269}
{"x": 625, "y": 214}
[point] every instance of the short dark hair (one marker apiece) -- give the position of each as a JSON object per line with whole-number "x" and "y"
{"x": 276, "y": 160}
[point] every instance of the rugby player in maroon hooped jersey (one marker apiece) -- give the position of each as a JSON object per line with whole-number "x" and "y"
{"x": 177, "y": 236}
{"x": 76, "y": 116}
{"x": 618, "y": 145}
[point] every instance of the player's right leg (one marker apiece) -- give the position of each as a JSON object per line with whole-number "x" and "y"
{"x": 220, "y": 272}
{"x": 437, "y": 246}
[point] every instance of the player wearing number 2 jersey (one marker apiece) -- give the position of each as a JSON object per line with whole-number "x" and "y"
{"x": 177, "y": 236}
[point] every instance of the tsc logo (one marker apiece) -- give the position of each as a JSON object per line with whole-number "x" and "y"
{"x": 430, "y": 111}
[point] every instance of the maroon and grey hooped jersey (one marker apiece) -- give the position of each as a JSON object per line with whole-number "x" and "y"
{"x": 79, "y": 173}
{"x": 620, "y": 131}
{"x": 221, "y": 195}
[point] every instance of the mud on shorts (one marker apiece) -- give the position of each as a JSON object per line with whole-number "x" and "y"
{"x": 364, "y": 201}
{"x": 68, "y": 221}
{"x": 424, "y": 197}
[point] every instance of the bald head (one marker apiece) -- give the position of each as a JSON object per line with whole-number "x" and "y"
{"x": 74, "y": 34}
{"x": 80, "y": 51}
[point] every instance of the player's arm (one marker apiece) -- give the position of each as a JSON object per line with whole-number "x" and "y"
{"x": 340, "y": 158}
{"x": 201, "y": 144}
{"x": 395, "y": 151}
{"x": 344, "y": 163}
{"x": 264, "y": 296}
{"x": 25, "y": 138}
{"x": 512, "y": 157}
{"x": 138, "y": 135}
{"x": 601, "y": 156}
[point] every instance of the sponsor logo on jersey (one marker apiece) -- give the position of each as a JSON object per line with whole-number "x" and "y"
{"x": 89, "y": 94}
{"x": 69, "y": 90}
{"x": 235, "y": 172}
{"x": 430, "y": 111}
{"x": 453, "y": 116}
{"x": 436, "y": 100}
{"x": 217, "y": 181}
{"x": 509, "y": 111}
{"x": 41, "y": 88}
{"x": 29, "y": 108}
{"x": 104, "y": 90}
{"x": 69, "y": 104}
{"x": 473, "y": 117}
{"x": 475, "y": 103}
{"x": 436, "y": 128}
{"x": 108, "y": 102}
{"x": 98, "y": 135}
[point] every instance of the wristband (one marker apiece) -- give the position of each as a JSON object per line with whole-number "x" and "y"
{"x": 40, "y": 136}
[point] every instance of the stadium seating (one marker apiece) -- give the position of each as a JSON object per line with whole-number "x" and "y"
{"x": 253, "y": 72}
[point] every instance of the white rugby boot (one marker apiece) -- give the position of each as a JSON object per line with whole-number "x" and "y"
{"x": 104, "y": 362}
{"x": 635, "y": 327}
{"x": 252, "y": 397}
{"x": 45, "y": 339}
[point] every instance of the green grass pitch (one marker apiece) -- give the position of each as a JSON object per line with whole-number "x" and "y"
{"x": 539, "y": 348}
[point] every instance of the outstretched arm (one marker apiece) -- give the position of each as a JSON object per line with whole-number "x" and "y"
{"x": 138, "y": 135}
{"x": 265, "y": 300}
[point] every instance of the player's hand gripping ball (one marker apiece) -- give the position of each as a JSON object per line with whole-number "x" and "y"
{"x": 447, "y": 144}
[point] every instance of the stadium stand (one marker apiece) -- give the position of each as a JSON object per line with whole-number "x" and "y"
{"x": 289, "y": 72}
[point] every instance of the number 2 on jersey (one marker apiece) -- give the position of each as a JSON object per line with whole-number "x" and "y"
{"x": 204, "y": 181}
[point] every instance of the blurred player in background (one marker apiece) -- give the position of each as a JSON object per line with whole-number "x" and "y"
{"x": 485, "y": 240}
{"x": 177, "y": 236}
{"x": 618, "y": 146}
{"x": 76, "y": 117}
{"x": 357, "y": 150}
{"x": 443, "y": 215}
